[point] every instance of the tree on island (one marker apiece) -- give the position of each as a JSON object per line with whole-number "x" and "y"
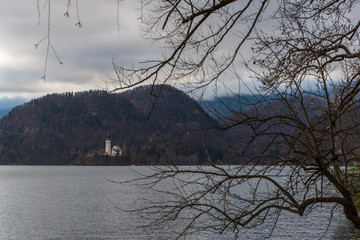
{"x": 302, "y": 60}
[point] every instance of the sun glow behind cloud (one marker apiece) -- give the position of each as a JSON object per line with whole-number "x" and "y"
{"x": 5, "y": 58}
{"x": 86, "y": 52}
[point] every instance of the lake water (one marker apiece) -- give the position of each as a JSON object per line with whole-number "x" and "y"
{"x": 78, "y": 202}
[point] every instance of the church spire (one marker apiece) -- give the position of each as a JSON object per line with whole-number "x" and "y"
{"x": 108, "y": 144}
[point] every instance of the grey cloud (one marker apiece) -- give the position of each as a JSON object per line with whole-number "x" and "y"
{"x": 86, "y": 52}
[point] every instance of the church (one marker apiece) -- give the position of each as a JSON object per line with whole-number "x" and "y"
{"x": 114, "y": 151}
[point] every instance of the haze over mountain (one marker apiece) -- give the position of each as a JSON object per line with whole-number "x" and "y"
{"x": 6, "y": 104}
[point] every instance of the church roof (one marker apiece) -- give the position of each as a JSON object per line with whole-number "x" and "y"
{"x": 116, "y": 147}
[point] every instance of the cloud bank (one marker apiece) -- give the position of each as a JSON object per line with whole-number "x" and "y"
{"x": 86, "y": 52}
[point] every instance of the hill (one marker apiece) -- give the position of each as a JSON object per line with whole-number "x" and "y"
{"x": 66, "y": 128}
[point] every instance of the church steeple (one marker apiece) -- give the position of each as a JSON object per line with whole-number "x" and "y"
{"x": 108, "y": 145}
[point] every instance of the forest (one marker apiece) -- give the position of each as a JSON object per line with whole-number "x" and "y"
{"x": 60, "y": 129}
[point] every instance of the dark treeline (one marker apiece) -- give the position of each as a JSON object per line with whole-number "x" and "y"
{"x": 66, "y": 128}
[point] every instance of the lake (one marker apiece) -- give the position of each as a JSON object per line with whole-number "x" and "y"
{"x": 80, "y": 202}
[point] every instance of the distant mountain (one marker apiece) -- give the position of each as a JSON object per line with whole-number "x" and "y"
{"x": 227, "y": 105}
{"x": 3, "y": 112}
{"x": 6, "y": 104}
{"x": 68, "y": 128}
{"x": 9, "y": 103}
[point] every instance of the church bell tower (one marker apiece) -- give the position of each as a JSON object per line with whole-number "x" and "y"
{"x": 108, "y": 145}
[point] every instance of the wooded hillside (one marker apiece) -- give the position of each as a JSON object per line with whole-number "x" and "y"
{"x": 65, "y": 128}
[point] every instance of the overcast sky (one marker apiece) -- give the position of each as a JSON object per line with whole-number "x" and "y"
{"x": 86, "y": 52}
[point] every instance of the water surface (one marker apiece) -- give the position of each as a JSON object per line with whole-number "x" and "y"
{"x": 78, "y": 202}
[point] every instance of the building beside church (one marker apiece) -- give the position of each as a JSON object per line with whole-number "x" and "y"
{"x": 114, "y": 151}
